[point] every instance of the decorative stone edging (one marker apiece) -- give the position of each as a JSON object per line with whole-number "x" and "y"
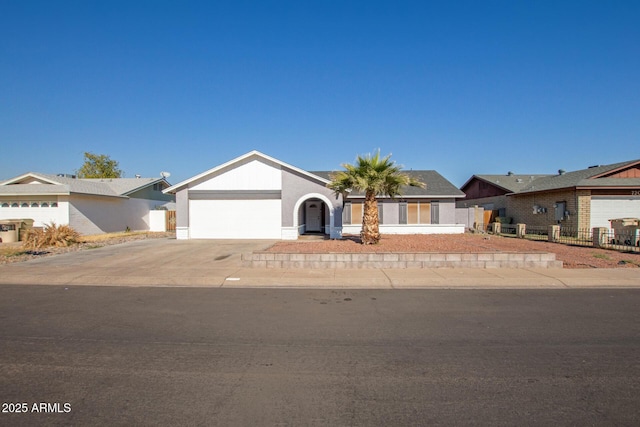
{"x": 401, "y": 260}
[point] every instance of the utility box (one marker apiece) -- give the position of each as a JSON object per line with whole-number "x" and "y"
{"x": 9, "y": 231}
{"x": 626, "y": 231}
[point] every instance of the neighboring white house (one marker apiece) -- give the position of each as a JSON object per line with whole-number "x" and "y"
{"x": 91, "y": 206}
{"x": 259, "y": 197}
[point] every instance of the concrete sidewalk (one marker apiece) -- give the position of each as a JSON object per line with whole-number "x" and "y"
{"x": 217, "y": 264}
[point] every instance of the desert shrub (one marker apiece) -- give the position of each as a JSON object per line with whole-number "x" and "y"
{"x": 51, "y": 235}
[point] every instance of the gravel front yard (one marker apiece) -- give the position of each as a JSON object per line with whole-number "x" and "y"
{"x": 571, "y": 256}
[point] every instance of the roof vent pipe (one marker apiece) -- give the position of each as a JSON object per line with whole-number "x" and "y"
{"x": 561, "y": 171}
{"x": 138, "y": 176}
{"x": 509, "y": 173}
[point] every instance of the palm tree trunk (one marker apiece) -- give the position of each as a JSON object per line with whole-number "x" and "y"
{"x": 370, "y": 221}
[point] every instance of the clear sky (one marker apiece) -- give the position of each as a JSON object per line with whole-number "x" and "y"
{"x": 462, "y": 87}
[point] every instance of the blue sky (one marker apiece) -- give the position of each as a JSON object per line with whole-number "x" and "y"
{"x": 463, "y": 87}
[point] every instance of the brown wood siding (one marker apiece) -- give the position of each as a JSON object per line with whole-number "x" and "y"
{"x": 632, "y": 172}
{"x": 477, "y": 189}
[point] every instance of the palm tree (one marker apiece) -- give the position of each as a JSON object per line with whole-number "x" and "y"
{"x": 375, "y": 177}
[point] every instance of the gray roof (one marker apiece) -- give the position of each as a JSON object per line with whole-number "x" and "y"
{"x": 511, "y": 183}
{"x": 583, "y": 178}
{"x": 437, "y": 185}
{"x": 124, "y": 186}
{"x": 116, "y": 187}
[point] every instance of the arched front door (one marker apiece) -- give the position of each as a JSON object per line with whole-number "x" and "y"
{"x": 314, "y": 216}
{"x": 326, "y": 218}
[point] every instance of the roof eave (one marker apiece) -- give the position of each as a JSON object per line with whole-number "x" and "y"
{"x": 614, "y": 170}
{"x": 148, "y": 184}
{"x": 32, "y": 175}
{"x": 185, "y": 183}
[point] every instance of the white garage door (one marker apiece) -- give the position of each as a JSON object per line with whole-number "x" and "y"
{"x": 605, "y": 208}
{"x": 235, "y": 219}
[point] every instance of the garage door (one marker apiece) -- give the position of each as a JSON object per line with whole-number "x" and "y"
{"x": 235, "y": 219}
{"x": 605, "y": 208}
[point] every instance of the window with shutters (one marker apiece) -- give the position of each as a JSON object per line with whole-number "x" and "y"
{"x": 416, "y": 213}
{"x": 352, "y": 213}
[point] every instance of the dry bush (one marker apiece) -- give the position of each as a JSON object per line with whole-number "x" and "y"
{"x": 51, "y": 235}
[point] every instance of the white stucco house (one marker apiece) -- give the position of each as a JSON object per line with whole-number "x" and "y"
{"x": 255, "y": 196}
{"x": 91, "y": 206}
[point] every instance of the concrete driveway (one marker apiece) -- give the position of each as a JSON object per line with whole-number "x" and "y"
{"x": 167, "y": 262}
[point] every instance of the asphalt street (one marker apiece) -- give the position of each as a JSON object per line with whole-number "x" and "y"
{"x": 213, "y": 356}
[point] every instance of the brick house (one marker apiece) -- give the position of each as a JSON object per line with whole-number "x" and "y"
{"x": 581, "y": 199}
{"x": 490, "y": 191}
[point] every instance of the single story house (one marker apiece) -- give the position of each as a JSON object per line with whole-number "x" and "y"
{"x": 490, "y": 191}
{"x": 256, "y": 196}
{"x": 581, "y": 199}
{"x": 90, "y": 206}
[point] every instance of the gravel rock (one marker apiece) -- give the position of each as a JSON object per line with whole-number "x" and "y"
{"x": 571, "y": 256}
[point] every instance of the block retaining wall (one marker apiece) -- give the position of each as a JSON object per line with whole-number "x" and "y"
{"x": 401, "y": 260}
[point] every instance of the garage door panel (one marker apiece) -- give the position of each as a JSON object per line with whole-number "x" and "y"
{"x": 235, "y": 219}
{"x": 605, "y": 208}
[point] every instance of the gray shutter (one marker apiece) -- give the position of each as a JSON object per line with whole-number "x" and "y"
{"x": 380, "y": 215}
{"x": 435, "y": 212}
{"x": 403, "y": 212}
{"x": 346, "y": 213}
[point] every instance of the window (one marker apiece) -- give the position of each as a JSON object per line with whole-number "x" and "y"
{"x": 24, "y": 205}
{"x": 14, "y": 205}
{"x": 44, "y": 205}
{"x": 356, "y": 213}
{"x": 5, "y": 205}
{"x": 54, "y": 204}
{"x": 35, "y": 205}
{"x": 352, "y": 213}
{"x": 415, "y": 213}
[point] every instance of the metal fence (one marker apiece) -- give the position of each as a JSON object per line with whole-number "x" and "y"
{"x": 622, "y": 239}
{"x": 508, "y": 229}
{"x": 575, "y": 236}
{"x": 536, "y": 233}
